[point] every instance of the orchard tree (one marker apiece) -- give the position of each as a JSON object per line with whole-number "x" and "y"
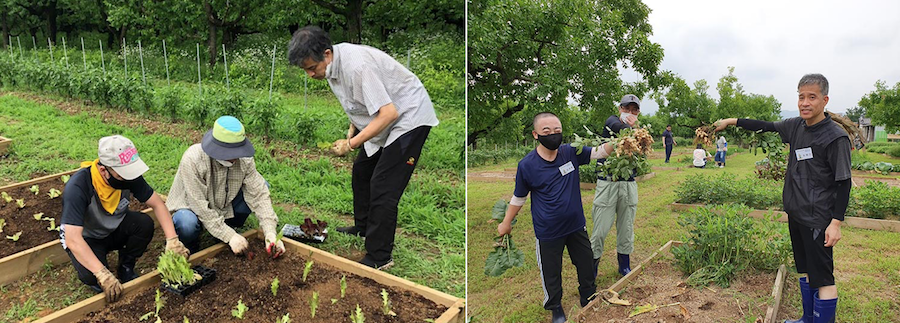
{"x": 883, "y": 106}
{"x": 527, "y": 56}
{"x": 854, "y": 113}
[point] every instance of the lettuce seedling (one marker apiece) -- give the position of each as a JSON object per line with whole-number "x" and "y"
{"x": 275, "y": 287}
{"x": 6, "y": 197}
{"x": 38, "y": 216}
{"x": 176, "y": 270}
{"x": 52, "y": 226}
{"x": 386, "y": 303}
{"x": 306, "y": 269}
{"x": 239, "y": 310}
{"x": 160, "y": 302}
{"x": 54, "y": 193}
{"x": 334, "y": 300}
{"x": 15, "y": 237}
{"x": 357, "y": 317}
{"x": 35, "y": 189}
{"x": 285, "y": 319}
{"x": 2, "y": 224}
{"x": 343, "y": 285}
{"x": 313, "y": 304}
{"x": 65, "y": 178}
{"x": 20, "y": 203}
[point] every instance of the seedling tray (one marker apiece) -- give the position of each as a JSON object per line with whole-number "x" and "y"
{"x": 208, "y": 275}
{"x": 296, "y": 233}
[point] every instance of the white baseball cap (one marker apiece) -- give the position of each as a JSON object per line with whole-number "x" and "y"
{"x": 119, "y": 153}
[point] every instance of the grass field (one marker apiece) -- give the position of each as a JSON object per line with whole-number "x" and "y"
{"x": 867, "y": 262}
{"x": 53, "y": 135}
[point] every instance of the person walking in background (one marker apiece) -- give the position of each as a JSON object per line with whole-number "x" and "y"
{"x": 668, "y": 141}
{"x": 700, "y": 156}
{"x": 721, "y": 148}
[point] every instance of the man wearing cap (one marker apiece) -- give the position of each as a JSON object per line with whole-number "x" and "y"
{"x": 217, "y": 185}
{"x": 96, "y": 219}
{"x": 616, "y": 200}
{"x": 390, "y": 116}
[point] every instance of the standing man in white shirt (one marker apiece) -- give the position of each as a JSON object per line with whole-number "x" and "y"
{"x": 390, "y": 116}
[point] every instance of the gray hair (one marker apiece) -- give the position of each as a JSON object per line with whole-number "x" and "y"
{"x": 308, "y": 42}
{"x": 817, "y": 79}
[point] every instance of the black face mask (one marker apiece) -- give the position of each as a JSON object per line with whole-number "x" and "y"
{"x": 551, "y": 141}
{"x": 117, "y": 183}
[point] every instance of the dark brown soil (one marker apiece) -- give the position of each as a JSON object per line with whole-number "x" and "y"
{"x": 250, "y": 281}
{"x": 662, "y": 284}
{"x": 34, "y": 232}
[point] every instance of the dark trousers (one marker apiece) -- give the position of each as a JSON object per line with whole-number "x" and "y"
{"x": 131, "y": 238}
{"x": 810, "y": 254}
{"x": 378, "y": 183}
{"x": 549, "y": 258}
{"x": 668, "y": 152}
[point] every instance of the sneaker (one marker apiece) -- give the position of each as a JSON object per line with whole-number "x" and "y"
{"x": 352, "y": 230}
{"x": 380, "y": 265}
{"x": 722, "y": 166}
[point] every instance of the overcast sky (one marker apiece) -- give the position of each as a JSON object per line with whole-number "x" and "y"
{"x": 772, "y": 43}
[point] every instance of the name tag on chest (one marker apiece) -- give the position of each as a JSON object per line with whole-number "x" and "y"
{"x": 566, "y": 168}
{"x": 804, "y": 153}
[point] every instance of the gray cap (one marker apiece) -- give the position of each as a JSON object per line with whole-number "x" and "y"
{"x": 630, "y": 98}
{"x": 119, "y": 153}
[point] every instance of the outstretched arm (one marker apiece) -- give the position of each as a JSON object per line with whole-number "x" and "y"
{"x": 749, "y": 124}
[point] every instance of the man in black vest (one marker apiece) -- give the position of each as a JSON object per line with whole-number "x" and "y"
{"x": 96, "y": 219}
{"x": 816, "y": 192}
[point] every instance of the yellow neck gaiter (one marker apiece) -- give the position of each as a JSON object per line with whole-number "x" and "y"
{"x": 109, "y": 197}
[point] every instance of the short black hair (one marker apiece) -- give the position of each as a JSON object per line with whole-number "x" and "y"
{"x": 541, "y": 115}
{"x": 668, "y": 125}
{"x": 308, "y": 42}
{"x": 699, "y": 146}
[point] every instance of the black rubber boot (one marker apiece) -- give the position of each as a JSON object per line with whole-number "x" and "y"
{"x": 126, "y": 269}
{"x": 559, "y": 316}
{"x": 352, "y": 230}
{"x": 624, "y": 264}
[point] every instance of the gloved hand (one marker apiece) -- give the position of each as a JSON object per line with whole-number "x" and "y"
{"x": 274, "y": 248}
{"x": 110, "y": 285}
{"x": 176, "y": 246}
{"x": 238, "y": 244}
{"x": 341, "y": 147}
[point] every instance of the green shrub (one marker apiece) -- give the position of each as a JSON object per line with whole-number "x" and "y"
{"x": 487, "y": 156}
{"x": 722, "y": 189}
{"x": 894, "y": 151}
{"x": 875, "y": 200}
{"x": 723, "y": 241}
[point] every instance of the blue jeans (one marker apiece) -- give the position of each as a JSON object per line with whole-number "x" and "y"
{"x": 720, "y": 157}
{"x": 188, "y": 226}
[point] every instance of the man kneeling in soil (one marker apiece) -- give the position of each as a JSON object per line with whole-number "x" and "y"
{"x": 550, "y": 174}
{"x": 96, "y": 219}
{"x": 816, "y": 192}
{"x": 217, "y": 185}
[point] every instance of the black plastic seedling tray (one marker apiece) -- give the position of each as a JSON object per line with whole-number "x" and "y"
{"x": 208, "y": 275}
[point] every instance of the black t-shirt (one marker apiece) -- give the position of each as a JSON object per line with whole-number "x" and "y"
{"x": 80, "y": 190}
{"x": 819, "y": 157}
{"x": 667, "y": 136}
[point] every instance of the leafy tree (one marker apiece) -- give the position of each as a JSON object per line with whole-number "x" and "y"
{"x": 528, "y": 56}
{"x": 854, "y": 113}
{"x": 883, "y": 105}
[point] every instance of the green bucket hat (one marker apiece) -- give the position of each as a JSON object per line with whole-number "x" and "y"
{"x": 226, "y": 140}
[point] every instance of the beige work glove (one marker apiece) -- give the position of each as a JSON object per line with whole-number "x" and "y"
{"x": 238, "y": 244}
{"x": 341, "y": 147}
{"x": 176, "y": 246}
{"x": 110, "y": 285}
{"x": 274, "y": 248}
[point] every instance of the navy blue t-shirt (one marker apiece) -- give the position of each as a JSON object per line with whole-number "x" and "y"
{"x": 556, "y": 209}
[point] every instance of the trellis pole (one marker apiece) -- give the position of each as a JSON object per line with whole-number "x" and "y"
{"x": 102, "y": 60}
{"x": 225, "y": 58}
{"x": 166, "y": 59}
{"x": 199, "y": 82}
{"x": 141, "y": 54}
{"x": 83, "y": 58}
{"x": 272, "y": 75}
{"x": 65, "y": 52}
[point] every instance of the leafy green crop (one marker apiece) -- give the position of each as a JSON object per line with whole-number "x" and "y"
{"x": 54, "y": 193}
{"x": 313, "y": 304}
{"x": 307, "y": 269}
{"x": 176, "y": 270}
{"x": 3, "y": 223}
{"x": 358, "y": 316}
{"x": 275, "y": 287}
{"x": 6, "y": 197}
{"x": 15, "y": 237}
{"x": 35, "y": 189}
{"x": 159, "y": 301}
{"x": 239, "y": 310}
{"x": 505, "y": 254}
{"x": 875, "y": 200}
{"x": 343, "y": 284}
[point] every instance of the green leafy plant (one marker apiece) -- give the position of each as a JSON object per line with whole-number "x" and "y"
{"x": 333, "y": 301}
{"x": 279, "y": 236}
{"x": 35, "y": 189}
{"x": 313, "y": 304}
{"x": 306, "y": 269}
{"x": 20, "y": 203}
{"x": 386, "y": 303}
{"x": 38, "y": 216}
{"x": 724, "y": 188}
{"x": 505, "y": 254}
{"x": 159, "y": 302}
{"x": 6, "y": 197}
{"x": 239, "y": 310}
{"x": 54, "y": 193}
{"x": 285, "y": 319}
{"x": 343, "y": 285}
{"x": 15, "y": 237}
{"x": 176, "y": 270}
{"x": 875, "y": 200}
{"x": 357, "y": 316}
{"x": 3, "y": 223}
{"x": 630, "y": 158}
{"x": 185, "y": 320}
{"x": 52, "y": 226}
{"x": 65, "y": 178}
{"x": 275, "y": 287}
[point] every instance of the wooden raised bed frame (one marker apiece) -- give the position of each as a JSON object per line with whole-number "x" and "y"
{"x": 456, "y": 306}
{"x": 771, "y": 311}
{"x": 4, "y": 145}
{"x": 852, "y": 221}
{"x": 29, "y": 261}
